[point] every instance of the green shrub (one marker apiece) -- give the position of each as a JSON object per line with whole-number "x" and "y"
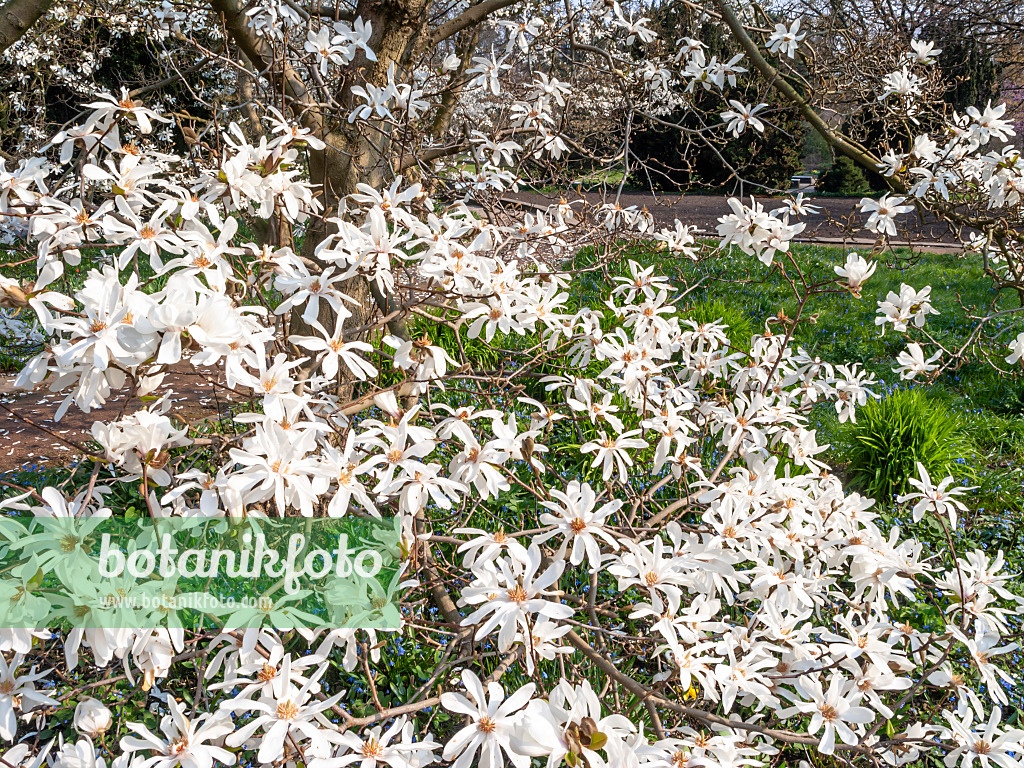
{"x": 740, "y": 330}
{"x": 844, "y": 178}
{"x": 893, "y": 434}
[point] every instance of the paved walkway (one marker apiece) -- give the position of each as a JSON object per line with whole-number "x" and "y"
{"x": 25, "y": 445}
{"x": 839, "y": 222}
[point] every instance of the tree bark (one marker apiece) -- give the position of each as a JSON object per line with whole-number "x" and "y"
{"x": 17, "y": 17}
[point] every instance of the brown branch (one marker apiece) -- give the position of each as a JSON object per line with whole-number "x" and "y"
{"x": 836, "y": 140}
{"x": 645, "y": 695}
{"x": 408, "y": 160}
{"x": 171, "y": 79}
{"x": 335, "y": 13}
{"x": 472, "y": 15}
{"x": 261, "y": 54}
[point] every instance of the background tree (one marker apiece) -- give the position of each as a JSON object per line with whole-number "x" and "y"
{"x": 844, "y": 178}
{"x": 670, "y": 159}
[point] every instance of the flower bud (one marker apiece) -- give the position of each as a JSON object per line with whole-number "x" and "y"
{"x": 92, "y": 718}
{"x": 11, "y": 294}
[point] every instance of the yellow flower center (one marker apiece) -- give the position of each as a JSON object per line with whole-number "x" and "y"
{"x": 517, "y": 594}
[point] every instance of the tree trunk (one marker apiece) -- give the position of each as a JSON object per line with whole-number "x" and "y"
{"x": 17, "y": 17}
{"x": 350, "y": 158}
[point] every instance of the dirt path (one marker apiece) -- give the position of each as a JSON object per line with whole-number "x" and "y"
{"x": 27, "y": 447}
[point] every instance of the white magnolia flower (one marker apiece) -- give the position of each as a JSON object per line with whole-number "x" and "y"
{"x": 902, "y": 83}
{"x": 834, "y": 710}
{"x": 741, "y": 115}
{"x": 512, "y": 595}
{"x": 92, "y": 719}
{"x": 909, "y": 306}
{"x": 287, "y": 712}
{"x": 579, "y": 523}
{"x": 939, "y": 499}
{"x": 1016, "y": 349}
{"x": 988, "y": 124}
{"x": 611, "y": 453}
{"x": 183, "y": 741}
{"x": 18, "y": 692}
{"x": 785, "y": 40}
{"x": 856, "y": 271}
{"x": 393, "y": 747}
{"x": 570, "y": 722}
{"x": 988, "y": 747}
{"x": 883, "y": 213}
{"x": 492, "y": 720}
{"x": 912, "y": 362}
{"x": 924, "y": 52}
{"x": 332, "y": 349}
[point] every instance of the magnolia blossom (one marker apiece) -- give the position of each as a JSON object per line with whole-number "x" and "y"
{"x": 109, "y": 106}
{"x": 92, "y": 718}
{"x": 834, "y": 710}
{"x": 939, "y": 499}
{"x": 912, "y": 362}
{"x": 902, "y": 83}
{"x": 580, "y": 523}
{"x": 18, "y": 691}
{"x": 883, "y": 213}
{"x": 334, "y": 349}
{"x": 289, "y": 711}
{"x": 183, "y": 741}
{"x": 856, "y": 271}
{"x": 1016, "y": 349}
{"x": 611, "y": 453}
{"x": 757, "y": 232}
{"x": 988, "y": 123}
{"x": 909, "y": 305}
{"x": 990, "y": 746}
{"x": 924, "y": 52}
{"x": 570, "y": 722}
{"x": 512, "y": 594}
{"x": 392, "y": 746}
{"x": 742, "y": 115}
{"x": 492, "y": 721}
{"x": 785, "y": 40}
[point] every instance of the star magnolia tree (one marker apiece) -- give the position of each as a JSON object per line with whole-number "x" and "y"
{"x": 622, "y": 545}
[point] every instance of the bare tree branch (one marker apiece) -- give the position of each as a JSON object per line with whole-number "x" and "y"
{"x": 259, "y": 53}
{"x": 838, "y": 141}
{"x": 472, "y": 15}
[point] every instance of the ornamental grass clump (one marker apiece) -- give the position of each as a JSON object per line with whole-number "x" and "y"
{"x": 895, "y": 433}
{"x": 739, "y": 329}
